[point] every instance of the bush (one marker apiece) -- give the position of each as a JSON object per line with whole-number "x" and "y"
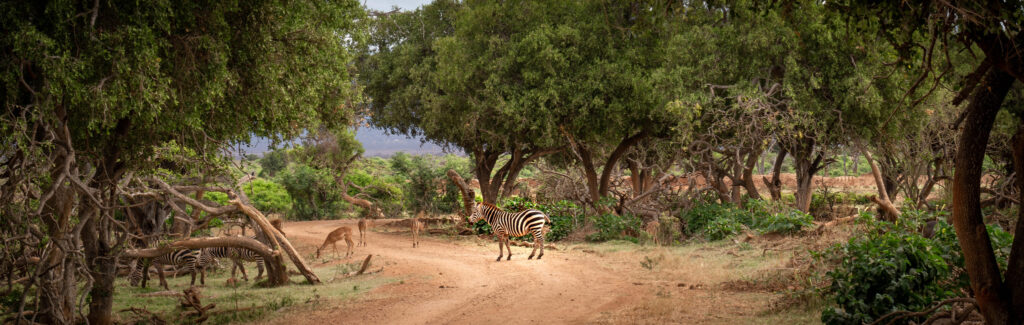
{"x": 722, "y": 228}
{"x": 883, "y": 273}
{"x": 718, "y": 221}
{"x": 895, "y": 268}
{"x": 610, "y": 227}
{"x": 787, "y": 222}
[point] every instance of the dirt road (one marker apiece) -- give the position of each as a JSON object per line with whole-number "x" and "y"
{"x": 444, "y": 282}
{"x": 458, "y": 282}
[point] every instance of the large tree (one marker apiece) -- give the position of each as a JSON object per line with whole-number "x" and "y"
{"x": 992, "y": 31}
{"x": 92, "y": 89}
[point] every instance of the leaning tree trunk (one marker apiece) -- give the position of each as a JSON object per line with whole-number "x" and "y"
{"x": 279, "y": 239}
{"x": 276, "y": 272}
{"x": 468, "y": 197}
{"x": 775, "y": 184}
{"x": 993, "y": 297}
{"x": 888, "y": 212}
{"x": 748, "y": 174}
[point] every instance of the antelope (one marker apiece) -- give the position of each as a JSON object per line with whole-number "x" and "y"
{"x": 416, "y": 225}
{"x": 362, "y": 231}
{"x": 342, "y": 232}
{"x": 277, "y": 223}
{"x": 652, "y": 229}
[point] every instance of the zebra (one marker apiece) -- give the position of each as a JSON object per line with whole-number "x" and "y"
{"x": 237, "y": 255}
{"x": 505, "y": 224}
{"x": 187, "y": 260}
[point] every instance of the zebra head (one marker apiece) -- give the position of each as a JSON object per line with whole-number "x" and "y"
{"x": 477, "y": 213}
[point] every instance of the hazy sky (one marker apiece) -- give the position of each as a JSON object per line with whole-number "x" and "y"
{"x": 385, "y": 5}
{"x": 375, "y": 141}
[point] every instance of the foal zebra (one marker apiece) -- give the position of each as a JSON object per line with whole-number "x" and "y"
{"x": 237, "y": 255}
{"x": 186, "y": 260}
{"x": 516, "y": 224}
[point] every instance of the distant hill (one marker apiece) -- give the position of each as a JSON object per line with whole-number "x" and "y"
{"x": 376, "y": 142}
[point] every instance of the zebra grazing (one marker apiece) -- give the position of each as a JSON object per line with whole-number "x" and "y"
{"x": 505, "y": 224}
{"x": 237, "y": 255}
{"x": 183, "y": 260}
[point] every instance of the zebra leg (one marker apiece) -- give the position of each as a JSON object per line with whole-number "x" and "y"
{"x": 160, "y": 272}
{"x": 541, "y": 244}
{"x": 507, "y": 240}
{"x": 259, "y": 267}
{"x": 501, "y": 252}
{"x": 534, "y": 247}
{"x": 239, "y": 266}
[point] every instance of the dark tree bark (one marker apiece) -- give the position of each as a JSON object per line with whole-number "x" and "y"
{"x": 994, "y": 299}
{"x": 748, "y": 174}
{"x": 775, "y": 184}
{"x": 806, "y": 167}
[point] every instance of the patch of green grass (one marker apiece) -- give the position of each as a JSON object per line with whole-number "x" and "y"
{"x": 247, "y": 301}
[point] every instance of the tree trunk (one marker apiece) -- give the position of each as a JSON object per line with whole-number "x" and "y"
{"x": 102, "y": 267}
{"x": 1015, "y": 267}
{"x": 484, "y": 166}
{"x": 775, "y": 185}
{"x": 275, "y": 271}
{"x": 992, "y": 296}
{"x": 805, "y": 171}
{"x": 279, "y": 240}
{"x": 468, "y": 197}
{"x": 748, "y": 174}
{"x": 887, "y": 212}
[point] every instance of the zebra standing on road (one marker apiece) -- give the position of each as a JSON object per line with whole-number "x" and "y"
{"x": 183, "y": 260}
{"x": 237, "y": 255}
{"x": 505, "y": 224}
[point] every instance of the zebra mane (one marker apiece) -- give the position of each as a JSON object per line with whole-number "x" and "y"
{"x": 492, "y": 206}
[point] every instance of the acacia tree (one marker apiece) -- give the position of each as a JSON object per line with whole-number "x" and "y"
{"x": 993, "y": 29}
{"x": 92, "y": 89}
{"x": 438, "y": 72}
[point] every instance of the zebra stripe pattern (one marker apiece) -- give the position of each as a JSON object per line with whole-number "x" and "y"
{"x": 183, "y": 260}
{"x": 237, "y": 255}
{"x": 505, "y": 224}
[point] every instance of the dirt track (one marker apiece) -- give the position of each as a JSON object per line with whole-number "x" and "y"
{"x": 562, "y": 288}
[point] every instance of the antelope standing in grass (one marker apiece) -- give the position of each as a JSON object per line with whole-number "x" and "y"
{"x": 416, "y": 225}
{"x": 342, "y": 232}
{"x": 362, "y": 231}
{"x": 505, "y": 224}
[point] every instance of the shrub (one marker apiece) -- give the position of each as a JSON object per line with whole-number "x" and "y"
{"x": 787, "y": 222}
{"x": 721, "y": 228}
{"x": 611, "y": 226}
{"x": 883, "y": 273}
{"x": 895, "y": 268}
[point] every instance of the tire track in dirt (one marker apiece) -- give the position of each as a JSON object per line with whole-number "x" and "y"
{"x": 446, "y": 282}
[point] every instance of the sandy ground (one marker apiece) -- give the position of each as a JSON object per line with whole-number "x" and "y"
{"x": 459, "y": 282}
{"x": 444, "y": 283}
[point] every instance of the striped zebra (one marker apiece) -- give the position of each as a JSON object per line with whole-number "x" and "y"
{"x": 185, "y": 260}
{"x": 505, "y": 224}
{"x": 237, "y": 255}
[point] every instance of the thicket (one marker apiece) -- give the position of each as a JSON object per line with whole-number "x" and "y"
{"x": 893, "y": 267}
{"x": 716, "y": 221}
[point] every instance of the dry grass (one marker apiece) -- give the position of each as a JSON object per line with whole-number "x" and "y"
{"x": 247, "y": 301}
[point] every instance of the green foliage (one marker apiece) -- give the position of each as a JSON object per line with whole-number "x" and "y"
{"x": 721, "y": 228}
{"x": 610, "y": 227}
{"x": 883, "y": 273}
{"x": 314, "y": 192}
{"x": 273, "y": 162}
{"x": 427, "y": 186}
{"x": 268, "y": 196}
{"x": 718, "y": 221}
{"x": 893, "y": 267}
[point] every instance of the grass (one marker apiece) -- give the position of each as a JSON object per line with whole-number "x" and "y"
{"x": 247, "y": 301}
{"x": 737, "y": 283}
